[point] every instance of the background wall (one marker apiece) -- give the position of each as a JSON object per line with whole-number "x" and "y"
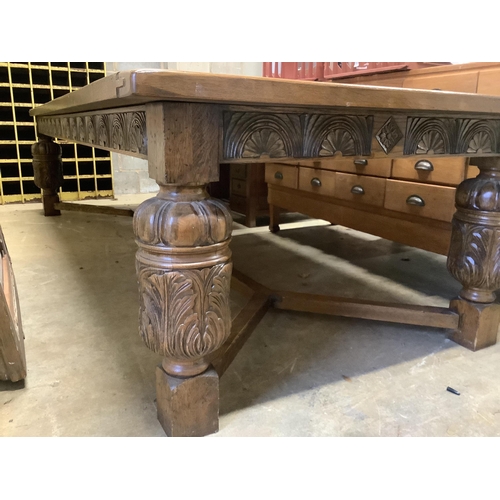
{"x": 131, "y": 174}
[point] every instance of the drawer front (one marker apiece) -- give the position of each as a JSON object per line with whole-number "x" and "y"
{"x": 440, "y": 170}
{"x": 433, "y": 202}
{"x": 238, "y": 187}
{"x": 361, "y": 166}
{"x": 317, "y": 181}
{"x": 465, "y": 81}
{"x": 360, "y": 189}
{"x": 238, "y": 171}
{"x": 282, "y": 175}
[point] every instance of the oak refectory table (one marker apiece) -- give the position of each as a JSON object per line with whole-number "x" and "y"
{"x": 186, "y": 124}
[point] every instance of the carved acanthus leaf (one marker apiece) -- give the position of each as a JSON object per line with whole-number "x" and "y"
{"x": 185, "y": 314}
{"x": 474, "y": 257}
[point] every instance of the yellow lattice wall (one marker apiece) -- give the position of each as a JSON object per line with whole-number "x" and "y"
{"x": 88, "y": 172}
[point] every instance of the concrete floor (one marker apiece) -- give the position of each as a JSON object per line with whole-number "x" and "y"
{"x": 89, "y": 373}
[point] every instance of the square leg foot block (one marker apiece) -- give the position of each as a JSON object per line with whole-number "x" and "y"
{"x": 188, "y": 407}
{"x": 478, "y": 324}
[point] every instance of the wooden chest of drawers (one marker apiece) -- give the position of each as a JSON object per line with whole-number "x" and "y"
{"x": 248, "y": 191}
{"x": 411, "y": 200}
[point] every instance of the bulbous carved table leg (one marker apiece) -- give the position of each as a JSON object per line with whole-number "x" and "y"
{"x": 48, "y": 173}
{"x": 184, "y": 272}
{"x": 474, "y": 256}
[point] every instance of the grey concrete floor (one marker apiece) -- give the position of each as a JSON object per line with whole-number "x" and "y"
{"x": 89, "y": 373}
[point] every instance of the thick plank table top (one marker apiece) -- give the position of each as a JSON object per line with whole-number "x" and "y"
{"x": 263, "y": 118}
{"x": 141, "y": 86}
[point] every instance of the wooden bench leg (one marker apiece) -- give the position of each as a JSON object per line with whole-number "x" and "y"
{"x": 184, "y": 274}
{"x": 274, "y": 218}
{"x": 474, "y": 256}
{"x": 48, "y": 172}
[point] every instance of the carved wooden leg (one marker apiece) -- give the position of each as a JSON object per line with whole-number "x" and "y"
{"x": 184, "y": 274}
{"x": 48, "y": 173}
{"x": 474, "y": 256}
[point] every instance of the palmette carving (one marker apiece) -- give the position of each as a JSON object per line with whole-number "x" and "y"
{"x": 185, "y": 314}
{"x": 477, "y": 136}
{"x": 251, "y": 135}
{"x": 325, "y": 135}
{"x": 279, "y": 135}
{"x": 451, "y": 136}
{"x": 121, "y": 131}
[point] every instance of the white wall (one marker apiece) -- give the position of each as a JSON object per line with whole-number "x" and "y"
{"x": 227, "y": 68}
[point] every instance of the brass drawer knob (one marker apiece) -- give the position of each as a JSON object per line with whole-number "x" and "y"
{"x": 415, "y": 200}
{"x": 278, "y": 175}
{"x": 315, "y": 182}
{"x": 357, "y": 190}
{"x": 361, "y": 163}
{"x": 425, "y": 165}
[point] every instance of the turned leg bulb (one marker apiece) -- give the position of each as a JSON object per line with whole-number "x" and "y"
{"x": 48, "y": 171}
{"x": 474, "y": 256}
{"x": 184, "y": 272}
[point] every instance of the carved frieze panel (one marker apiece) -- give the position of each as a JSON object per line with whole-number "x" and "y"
{"x": 121, "y": 131}
{"x": 255, "y": 135}
{"x": 451, "y": 136}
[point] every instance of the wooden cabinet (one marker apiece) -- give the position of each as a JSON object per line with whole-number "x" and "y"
{"x": 248, "y": 191}
{"x": 415, "y": 212}
{"x": 464, "y": 81}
